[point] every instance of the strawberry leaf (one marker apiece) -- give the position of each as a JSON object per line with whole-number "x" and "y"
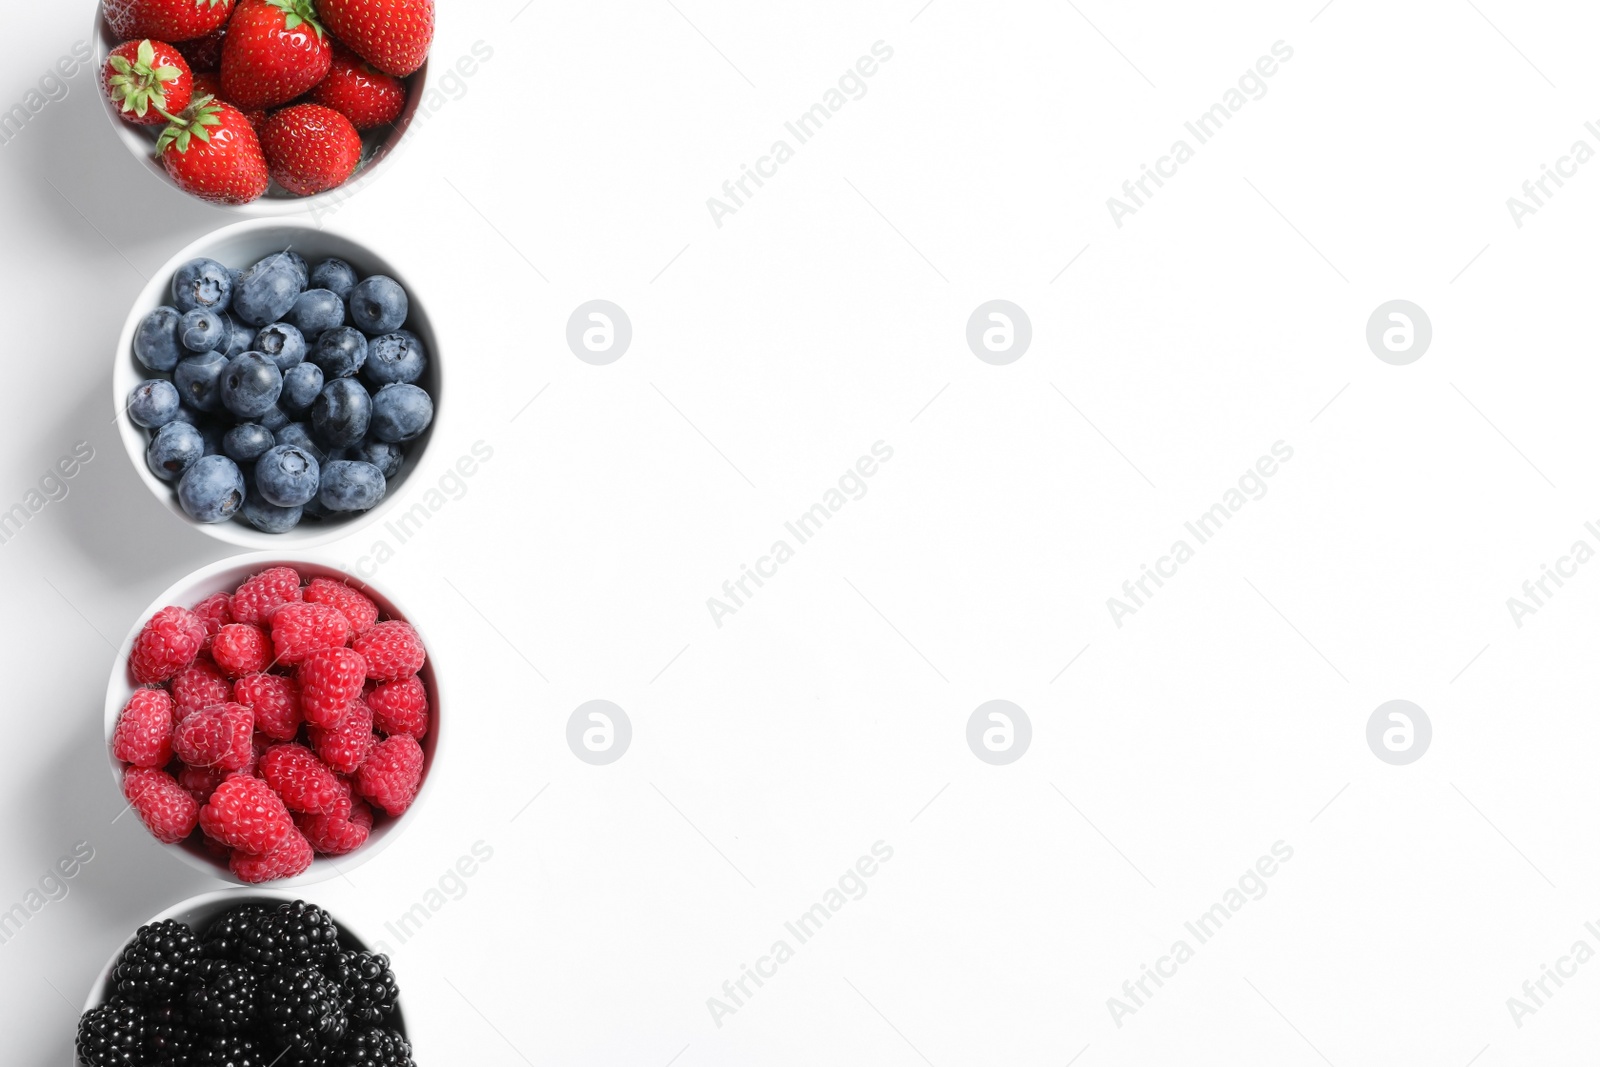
{"x": 147, "y": 53}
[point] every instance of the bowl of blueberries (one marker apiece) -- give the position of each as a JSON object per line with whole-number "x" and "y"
{"x": 276, "y": 381}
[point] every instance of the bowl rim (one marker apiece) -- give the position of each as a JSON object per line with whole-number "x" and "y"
{"x": 102, "y": 40}
{"x": 119, "y": 686}
{"x": 134, "y": 438}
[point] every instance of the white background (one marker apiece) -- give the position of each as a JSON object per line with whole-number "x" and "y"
{"x": 830, "y": 713}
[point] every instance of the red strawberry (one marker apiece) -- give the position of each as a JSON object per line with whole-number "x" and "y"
{"x": 148, "y": 81}
{"x": 360, "y": 92}
{"x": 166, "y": 20}
{"x": 212, "y": 152}
{"x": 204, "y": 53}
{"x": 310, "y": 148}
{"x": 392, "y": 35}
{"x": 275, "y": 51}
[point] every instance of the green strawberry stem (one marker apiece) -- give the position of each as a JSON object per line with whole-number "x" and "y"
{"x": 137, "y": 86}
{"x": 296, "y": 12}
{"x": 182, "y": 129}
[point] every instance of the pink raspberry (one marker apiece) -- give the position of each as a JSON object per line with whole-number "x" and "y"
{"x": 400, "y": 707}
{"x": 392, "y": 774}
{"x": 218, "y": 736}
{"x": 392, "y": 651}
{"x": 168, "y": 643}
{"x": 361, "y": 613}
{"x": 166, "y": 809}
{"x": 143, "y": 736}
{"x": 290, "y": 858}
{"x": 301, "y": 629}
{"x": 275, "y": 700}
{"x": 200, "y": 686}
{"x": 346, "y": 745}
{"x": 306, "y": 786}
{"x": 244, "y": 813}
{"x": 200, "y": 782}
{"x": 261, "y": 594}
{"x": 329, "y": 680}
{"x": 240, "y": 648}
{"x": 336, "y": 835}
{"x": 213, "y": 611}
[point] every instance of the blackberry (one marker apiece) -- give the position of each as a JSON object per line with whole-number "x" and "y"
{"x": 221, "y": 997}
{"x": 171, "y": 1039}
{"x": 373, "y": 1047}
{"x": 112, "y": 1035}
{"x": 303, "y": 1010}
{"x": 224, "y": 938}
{"x": 156, "y": 962}
{"x": 367, "y": 985}
{"x": 296, "y": 934}
{"x": 232, "y": 1050}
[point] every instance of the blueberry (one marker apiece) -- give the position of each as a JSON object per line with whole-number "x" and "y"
{"x": 298, "y": 434}
{"x": 287, "y": 476}
{"x": 238, "y": 338}
{"x": 247, "y": 442}
{"x": 211, "y": 433}
{"x": 400, "y": 412}
{"x": 201, "y": 330}
{"x": 298, "y": 262}
{"x": 202, "y": 283}
{"x": 387, "y": 457}
{"x": 173, "y": 450}
{"x": 274, "y": 418}
{"x": 394, "y": 358}
{"x": 341, "y": 414}
{"x": 302, "y": 384}
{"x": 269, "y": 518}
{"x": 186, "y": 414}
{"x": 156, "y": 343}
{"x": 199, "y": 380}
{"x": 250, "y": 385}
{"x": 340, "y": 353}
{"x": 335, "y": 275}
{"x": 283, "y": 342}
{"x": 316, "y": 310}
{"x": 267, "y": 290}
{"x": 211, "y": 490}
{"x": 378, "y": 305}
{"x": 153, "y": 403}
{"x": 350, "y": 485}
{"x": 313, "y": 509}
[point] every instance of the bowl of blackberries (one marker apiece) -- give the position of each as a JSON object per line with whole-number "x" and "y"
{"x": 276, "y": 382}
{"x": 244, "y": 980}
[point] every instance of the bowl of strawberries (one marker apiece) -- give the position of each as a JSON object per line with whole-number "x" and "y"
{"x": 272, "y": 719}
{"x": 263, "y": 105}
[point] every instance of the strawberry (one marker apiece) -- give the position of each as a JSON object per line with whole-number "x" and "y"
{"x": 166, "y": 20}
{"x": 211, "y": 151}
{"x": 204, "y": 53}
{"x": 310, "y": 148}
{"x": 148, "y": 81}
{"x": 392, "y": 35}
{"x": 275, "y": 50}
{"x": 360, "y": 92}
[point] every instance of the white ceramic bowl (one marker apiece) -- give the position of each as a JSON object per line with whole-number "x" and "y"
{"x": 199, "y": 912}
{"x": 224, "y": 576}
{"x": 378, "y": 145}
{"x": 238, "y": 246}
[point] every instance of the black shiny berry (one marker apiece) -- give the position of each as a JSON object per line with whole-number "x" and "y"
{"x": 112, "y": 1035}
{"x": 156, "y": 963}
{"x": 373, "y": 1046}
{"x": 221, "y": 997}
{"x": 303, "y": 1010}
{"x": 224, "y": 939}
{"x": 171, "y": 1039}
{"x": 294, "y": 934}
{"x": 367, "y": 984}
{"x": 232, "y": 1050}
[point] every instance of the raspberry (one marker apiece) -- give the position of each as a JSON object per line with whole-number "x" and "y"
{"x": 245, "y": 814}
{"x": 329, "y": 680}
{"x": 200, "y": 686}
{"x": 288, "y": 859}
{"x": 334, "y": 835}
{"x": 200, "y": 782}
{"x": 143, "y": 736}
{"x": 346, "y": 745}
{"x": 218, "y": 736}
{"x": 168, "y": 643}
{"x": 361, "y": 613}
{"x": 301, "y": 629}
{"x": 213, "y": 611}
{"x": 162, "y": 804}
{"x": 261, "y": 594}
{"x": 275, "y": 700}
{"x": 391, "y": 774}
{"x": 240, "y": 648}
{"x": 296, "y": 775}
{"x": 392, "y": 651}
{"x": 400, "y": 707}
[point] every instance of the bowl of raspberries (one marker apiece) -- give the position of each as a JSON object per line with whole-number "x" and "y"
{"x": 244, "y": 979}
{"x": 276, "y": 381}
{"x": 272, "y": 718}
{"x": 265, "y": 105}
